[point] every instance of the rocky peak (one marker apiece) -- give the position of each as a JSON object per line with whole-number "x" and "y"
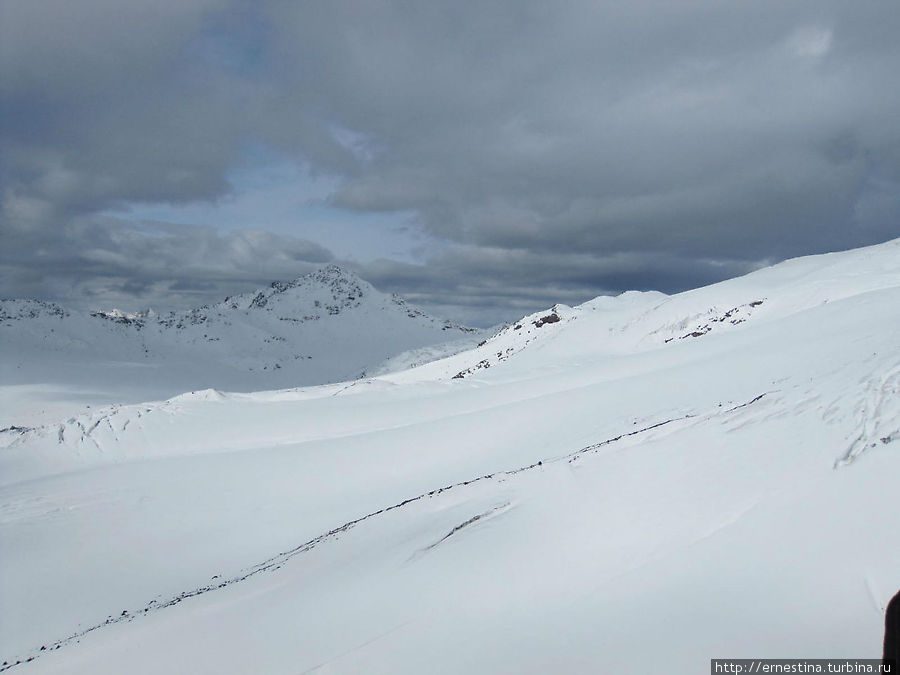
{"x": 30, "y": 309}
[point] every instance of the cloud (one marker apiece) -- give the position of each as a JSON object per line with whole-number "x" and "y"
{"x": 109, "y": 261}
{"x": 644, "y": 140}
{"x": 485, "y": 285}
{"x": 811, "y": 41}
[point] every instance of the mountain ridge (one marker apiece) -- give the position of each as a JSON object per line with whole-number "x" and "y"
{"x": 325, "y": 326}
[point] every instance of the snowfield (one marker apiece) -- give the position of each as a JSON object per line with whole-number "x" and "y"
{"x": 324, "y": 327}
{"x": 635, "y": 485}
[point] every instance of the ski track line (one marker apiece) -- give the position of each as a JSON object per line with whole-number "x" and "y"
{"x": 276, "y": 561}
{"x": 872, "y": 418}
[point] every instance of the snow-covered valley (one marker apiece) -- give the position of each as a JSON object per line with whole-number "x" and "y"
{"x": 638, "y": 484}
{"x": 325, "y": 327}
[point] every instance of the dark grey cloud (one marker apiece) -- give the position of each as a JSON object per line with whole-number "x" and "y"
{"x": 553, "y": 151}
{"x": 100, "y": 262}
{"x": 754, "y": 131}
{"x": 486, "y": 285}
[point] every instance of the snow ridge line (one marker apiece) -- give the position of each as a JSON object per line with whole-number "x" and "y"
{"x": 276, "y": 561}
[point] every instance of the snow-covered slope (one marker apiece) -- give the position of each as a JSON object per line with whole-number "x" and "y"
{"x": 638, "y": 485}
{"x": 325, "y": 327}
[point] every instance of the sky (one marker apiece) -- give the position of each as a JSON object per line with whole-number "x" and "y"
{"x": 484, "y": 159}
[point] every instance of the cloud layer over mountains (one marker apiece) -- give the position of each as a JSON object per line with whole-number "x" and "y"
{"x": 541, "y": 152}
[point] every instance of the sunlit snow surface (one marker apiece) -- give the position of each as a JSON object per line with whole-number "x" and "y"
{"x": 645, "y": 483}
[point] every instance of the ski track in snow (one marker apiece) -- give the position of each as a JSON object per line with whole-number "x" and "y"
{"x": 878, "y": 416}
{"x": 355, "y": 648}
{"x": 277, "y": 561}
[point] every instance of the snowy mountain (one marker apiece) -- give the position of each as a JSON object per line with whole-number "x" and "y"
{"x": 327, "y": 326}
{"x": 638, "y": 484}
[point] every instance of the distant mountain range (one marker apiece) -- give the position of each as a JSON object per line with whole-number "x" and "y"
{"x": 326, "y": 326}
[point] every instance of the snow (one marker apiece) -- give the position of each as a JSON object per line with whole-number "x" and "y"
{"x": 610, "y": 494}
{"x": 325, "y": 327}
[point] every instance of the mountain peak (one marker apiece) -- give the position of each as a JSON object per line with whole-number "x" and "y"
{"x": 334, "y": 271}
{"x": 327, "y": 274}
